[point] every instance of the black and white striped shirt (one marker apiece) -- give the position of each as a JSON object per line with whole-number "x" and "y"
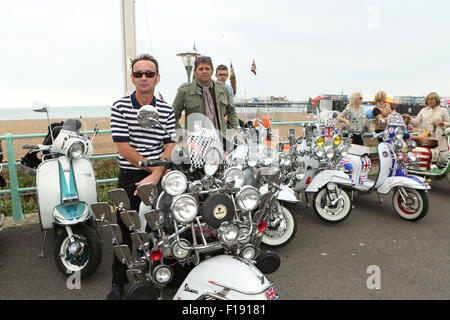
{"x": 125, "y": 128}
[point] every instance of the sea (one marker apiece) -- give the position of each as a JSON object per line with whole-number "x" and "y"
{"x": 105, "y": 111}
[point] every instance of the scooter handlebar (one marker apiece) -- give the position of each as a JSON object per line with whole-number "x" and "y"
{"x": 30, "y": 146}
{"x": 155, "y": 163}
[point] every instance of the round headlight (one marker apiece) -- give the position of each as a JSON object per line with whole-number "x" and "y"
{"x": 242, "y": 232}
{"x": 318, "y": 151}
{"x": 239, "y": 163}
{"x": 249, "y": 252}
{"x": 252, "y": 160}
{"x": 184, "y": 208}
{"x": 248, "y": 198}
{"x": 196, "y": 186}
{"x": 228, "y": 233}
{"x": 300, "y": 172}
{"x": 162, "y": 274}
{"x": 174, "y": 183}
{"x": 398, "y": 144}
{"x": 337, "y": 140}
{"x": 178, "y": 252}
{"x": 235, "y": 174}
{"x": 329, "y": 152}
{"x": 412, "y": 144}
{"x": 76, "y": 150}
{"x": 343, "y": 150}
{"x": 320, "y": 141}
{"x": 399, "y": 132}
{"x": 328, "y": 143}
{"x": 212, "y": 161}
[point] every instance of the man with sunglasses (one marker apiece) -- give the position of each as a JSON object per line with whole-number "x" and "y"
{"x": 135, "y": 144}
{"x": 206, "y": 96}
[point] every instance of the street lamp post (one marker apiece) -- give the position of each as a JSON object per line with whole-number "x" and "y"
{"x": 188, "y": 61}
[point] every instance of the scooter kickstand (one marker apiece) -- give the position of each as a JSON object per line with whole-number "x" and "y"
{"x": 42, "y": 255}
{"x": 379, "y": 199}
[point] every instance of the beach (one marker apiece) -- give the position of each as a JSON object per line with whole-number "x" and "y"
{"x": 103, "y": 142}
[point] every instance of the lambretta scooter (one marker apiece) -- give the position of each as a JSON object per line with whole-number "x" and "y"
{"x": 66, "y": 186}
{"x": 432, "y": 164}
{"x": 409, "y": 199}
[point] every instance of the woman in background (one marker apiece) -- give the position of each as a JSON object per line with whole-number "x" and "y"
{"x": 353, "y": 116}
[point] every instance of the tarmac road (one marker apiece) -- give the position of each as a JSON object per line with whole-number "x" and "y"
{"x": 397, "y": 258}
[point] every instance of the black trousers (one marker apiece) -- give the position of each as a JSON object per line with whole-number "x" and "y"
{"x": 127, "y": 180}
{"x": 357, "y": 139}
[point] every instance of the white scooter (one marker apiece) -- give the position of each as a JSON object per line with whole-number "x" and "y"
{"x": 259, "y": 160}
{"x": 66, "y": 186}
{"x": 409, "y": 200}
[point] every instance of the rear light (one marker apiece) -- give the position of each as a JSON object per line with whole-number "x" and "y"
{"x": 156, "y": 255}
{"x": 262, "y": 226}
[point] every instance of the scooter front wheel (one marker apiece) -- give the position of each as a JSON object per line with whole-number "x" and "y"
{"x": 83, "y": 255}
{"x": 331, "y": 212}
{"x": 416, "y": 206}
{"x": 281, "y": 229}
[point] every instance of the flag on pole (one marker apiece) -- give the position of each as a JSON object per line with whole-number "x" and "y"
{"x": 232, "y": 78}
{"x": 253, "y": 69}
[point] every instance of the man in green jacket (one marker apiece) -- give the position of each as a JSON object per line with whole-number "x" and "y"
{"x": 206, "y": 96}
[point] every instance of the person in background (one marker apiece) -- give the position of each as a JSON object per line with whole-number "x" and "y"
{"x": 135, "y": 144}
{"x": 222, "y": 76}
{"x": 353, "y": 117}
{"x": 432, "y": 120}
{"x": 381, "y": 112}
{"x": 206, "y": 96}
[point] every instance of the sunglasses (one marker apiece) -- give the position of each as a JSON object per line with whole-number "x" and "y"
{"x": 148, "y": 74}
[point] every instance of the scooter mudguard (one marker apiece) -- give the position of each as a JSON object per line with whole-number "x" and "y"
{"x": 325, "y": 176}
{"x": 286, "y": 194}
{"x": 48, "y": 191}
{"x": 213, "y": 276}
{"x": 406, "y": 181}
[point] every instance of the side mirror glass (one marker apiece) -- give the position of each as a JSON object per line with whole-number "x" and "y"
{"x": 119, "y": 198}
{"x": 148, "y": 193}
{"x": 148, "y": 116}
{"x": 102, "y": 211}
{"x": 131, "y": 219}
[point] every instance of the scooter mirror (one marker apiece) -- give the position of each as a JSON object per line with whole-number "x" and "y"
{"x": 39, "y": 106}
{"x": 139, "y": 239}
{"x": 148, "y": 116}
{"x": 119, "y": 198}
{"x": 123, "y": 253}
{"x": 135, "y": 277}
{"x": 116, "y": 233}
{"x": 102, "y": 210}
{"x": 152, "y": 218}
{"x": 131, "y": 219}
{"x": 148, "y": 193}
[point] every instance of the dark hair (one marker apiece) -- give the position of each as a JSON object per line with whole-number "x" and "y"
{"x": 221, "y": 67}
{"x": 203, "y": 59}
{"x": 147, "y": 57}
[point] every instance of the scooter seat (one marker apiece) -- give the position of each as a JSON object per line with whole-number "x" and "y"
{"x": 359, "y": 150}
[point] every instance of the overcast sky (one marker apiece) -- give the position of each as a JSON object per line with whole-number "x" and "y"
{"x": 68, "y": 53}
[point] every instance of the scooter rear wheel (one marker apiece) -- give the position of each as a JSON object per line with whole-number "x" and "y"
{"x": 414, "y": 211}
{"x": 329, "y": 213}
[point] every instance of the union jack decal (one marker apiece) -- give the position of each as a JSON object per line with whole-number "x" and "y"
{"x": 329, "y": 129}
{"x": 271, "y": 294}
{"x": 365, "y": 164}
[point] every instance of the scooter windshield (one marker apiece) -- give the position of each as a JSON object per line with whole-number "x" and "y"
{"x": 201, "y": 136}
{"x": 395, "y": 119}
{"x": 73, "y": 125}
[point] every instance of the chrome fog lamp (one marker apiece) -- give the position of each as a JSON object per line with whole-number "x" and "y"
{"x": 399, "y": 132}
{"x": 398, "y": 144}
{"x": 228, "y": 233}
{"x": 337, "y": 140}
{"x": 282, "y": 158}
{"x": 343, "y": 150}
{"x": 239, "y": 163}
{"x": 288, "y": 160}
{"x": 267, "y": 156}
{"x": 320, "y": 141}
{"x": 196, "y": 186}
{"x": 162, "y": 274}
{"x": 248, "y": 198}
{"x": 212, "y": 161}
{"x": 300, "y": 173}
{"x": 411, "y": 157}
{"x": 244, "y": 231}
{"x": 249, "y": 252}
{"x": 184, "y": 208}
{"x": 412, "y": 144}
{"x": 178, "y": 252}
{"x": 252, "y": 160}
{"x": 318, "y": 151}
{"x": 174, "y": 183}
{"x": 76, "y": 150}
{"x": 329, "y": 152}
{"x": 235, "y": 174}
